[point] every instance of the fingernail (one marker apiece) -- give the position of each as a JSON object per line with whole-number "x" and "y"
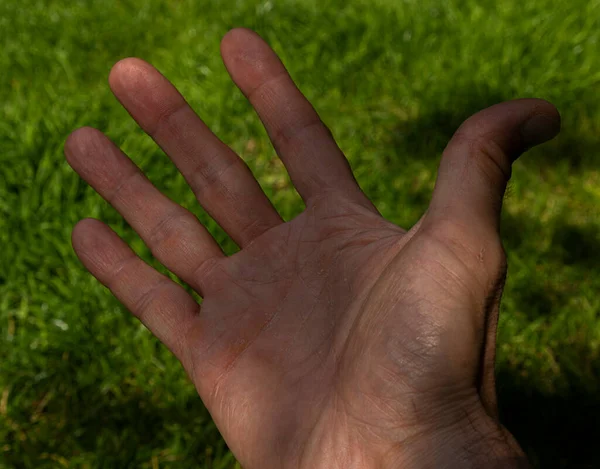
{"x": 539, "y": 129}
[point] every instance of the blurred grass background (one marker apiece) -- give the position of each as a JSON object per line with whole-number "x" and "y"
{"x": 83, "y": 385}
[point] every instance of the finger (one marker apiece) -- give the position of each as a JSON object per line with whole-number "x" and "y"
{"x": 303, "y": 142}
{"x": 173, "y": 234}
{"x": 162, "y": 305}
{"x": 476, "y": 165}
{"x": 221, "y": 181}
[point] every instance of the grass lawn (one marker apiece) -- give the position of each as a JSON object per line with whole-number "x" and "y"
{"x": 84, "y": 385}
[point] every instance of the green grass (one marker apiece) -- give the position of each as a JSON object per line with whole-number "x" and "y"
{"x": 83, "y": 385}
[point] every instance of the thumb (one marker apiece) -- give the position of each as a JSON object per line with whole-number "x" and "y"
{"x": 476, "y": 164}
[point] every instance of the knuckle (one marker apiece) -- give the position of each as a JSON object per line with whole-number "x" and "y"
{"x": 150, "y": 302}
{"x": 211, "y": 178}
{"x": 267, "y": 83}
{"x": 170, "y": 227}
{"x": 210, "y": 275}
{"x": 164, "y": 121}
{"x": 486, "y": 155}
{"x": 291, "y": 137}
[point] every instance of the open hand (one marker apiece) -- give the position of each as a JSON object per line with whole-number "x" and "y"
{"x": 335, "y": 340}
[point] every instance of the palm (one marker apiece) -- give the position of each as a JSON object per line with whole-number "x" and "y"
{"x": 275, "y": 330}
{"x": 285, "y": 337}
{"x": 336, "y": 338}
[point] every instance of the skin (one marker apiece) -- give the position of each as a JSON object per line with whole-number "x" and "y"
{"x": 337, "y": 339}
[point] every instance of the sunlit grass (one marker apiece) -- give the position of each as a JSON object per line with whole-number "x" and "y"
{"x": 83, "y": 385}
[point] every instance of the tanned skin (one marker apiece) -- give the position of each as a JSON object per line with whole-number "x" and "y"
{"x": 336, "y": 339}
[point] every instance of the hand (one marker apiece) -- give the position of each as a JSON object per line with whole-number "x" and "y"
{"x": 335, "y": 340}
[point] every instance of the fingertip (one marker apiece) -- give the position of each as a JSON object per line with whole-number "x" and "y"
{"x": 73, "y": 141}
{"x": 116, "y": 71}
{"x": 127, "y": 72}
{"x": 245, "y": 47}
{"x": 78, "y": 141}
{"x": 81, "y": 144}
{"x": 84, "y": 234}
{"x": 237, "y": 36}
{"x": 554, "y": 114}
{"x": 70, "y": 143}
{"x": 97, "y": 246}
{"x": 542, "y": 125}
{"x": 551, "y": 112}
{"x": 547, "y": 108}
{"x": 249, "y": 59}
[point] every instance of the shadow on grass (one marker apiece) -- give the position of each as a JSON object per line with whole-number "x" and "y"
{"x": 124, "y": 427}
{"x": 571, "y": 244}
{"x": 559, "y": 430}
{"x": 578, "y": 245}
{"x": 428, "y": 135}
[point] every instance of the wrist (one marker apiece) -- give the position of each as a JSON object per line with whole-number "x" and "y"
{"x": 475, "y": 442}
{"x": 458, "y": 436}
